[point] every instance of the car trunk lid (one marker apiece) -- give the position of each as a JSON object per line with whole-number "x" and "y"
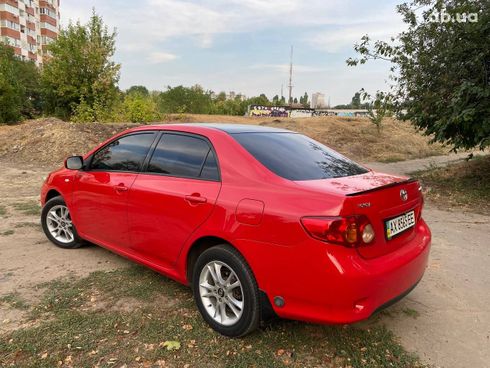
{"x": 380, "y": 197}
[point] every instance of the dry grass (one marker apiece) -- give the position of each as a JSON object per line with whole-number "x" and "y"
{"x": 49, "y": 141}
{"x": 465, "y": 185}
{"x": 354, "y": 137}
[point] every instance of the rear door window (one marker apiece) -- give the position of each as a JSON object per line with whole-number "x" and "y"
{"x": 210, "y": 168}
{"x": 184, "y": 156}
{"x": 296, "y": 157}
{"x": 124, "y": 154}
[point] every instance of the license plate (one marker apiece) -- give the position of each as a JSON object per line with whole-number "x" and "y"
{"x": 399, "y": 224}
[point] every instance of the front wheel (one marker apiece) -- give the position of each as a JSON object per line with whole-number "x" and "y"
{"x": 226, "y": 292}
{"x": 57, "y": 224}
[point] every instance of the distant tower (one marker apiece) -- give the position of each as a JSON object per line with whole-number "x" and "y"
{"x": 282, "y": 94}
{"x": 290, "y": 100}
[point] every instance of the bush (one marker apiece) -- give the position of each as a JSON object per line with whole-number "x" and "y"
{"x": 83, "y": 113}
{"x": 138, "y": 108}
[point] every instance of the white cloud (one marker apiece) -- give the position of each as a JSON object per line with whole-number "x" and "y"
{"x": 157, "y": 57}
{"x": 339, "y": 38}
{"x": 284, "y": 68}
{"x": 144, "y": 23}
{"x": 156, "y": 21}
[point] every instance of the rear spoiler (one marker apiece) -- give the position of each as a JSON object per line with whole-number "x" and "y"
{"x": 410, "y": 180}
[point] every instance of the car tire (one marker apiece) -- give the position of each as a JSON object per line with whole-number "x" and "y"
{"x": 57, "y": 225}
{"x": 228, "y": 298}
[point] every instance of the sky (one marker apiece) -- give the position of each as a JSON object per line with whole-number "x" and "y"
{"x": 244, "y": 45}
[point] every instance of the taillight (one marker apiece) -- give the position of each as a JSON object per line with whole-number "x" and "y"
{"x": 351, "y": 231}
{"x": 419, "y": 214}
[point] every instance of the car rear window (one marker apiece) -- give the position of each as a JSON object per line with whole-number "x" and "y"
{"x": 296, "y": 157}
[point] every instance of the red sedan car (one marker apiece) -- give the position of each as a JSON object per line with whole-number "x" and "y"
{"x": 254, "y": 219}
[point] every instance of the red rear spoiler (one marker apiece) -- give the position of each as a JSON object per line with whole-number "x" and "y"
{"x": 410, "y": 180}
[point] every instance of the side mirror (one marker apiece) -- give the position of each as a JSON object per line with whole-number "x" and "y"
{"x": 74, "y": 162}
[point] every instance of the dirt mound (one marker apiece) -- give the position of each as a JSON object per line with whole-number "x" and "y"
{"x": 47, "y": 142}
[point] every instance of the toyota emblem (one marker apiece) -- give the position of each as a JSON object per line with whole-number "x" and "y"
{"x": 403, "y": 195}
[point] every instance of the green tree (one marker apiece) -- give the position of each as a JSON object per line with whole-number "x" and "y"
{"x": 182, "y": 99}
{"x": 304, "y": 100}
{"x": 221, "y": 96}
{"x": 140, "y": 90}
{"x": 81, "y": 69}
{"x": 275, "y": 100}
{"x": 441, "y": 69}
{"x": 19, "y": 87}
{"x": 258, "y": 100}
{"x": 11, "y": 90}
{"x": 30, "y": 78}
{"x": 264, "y": 98}
{"x": 356, "y": 101}
{"x": 378, "y": 107}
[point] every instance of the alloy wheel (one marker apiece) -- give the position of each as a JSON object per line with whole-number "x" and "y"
{"x": 59, "y": 224}
{"x": 221, "y": 293}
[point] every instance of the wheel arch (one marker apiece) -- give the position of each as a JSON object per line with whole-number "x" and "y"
{"x": 206, "y": 242}
{"x": 199, "y": 246}
{"x": 51, "y": 194}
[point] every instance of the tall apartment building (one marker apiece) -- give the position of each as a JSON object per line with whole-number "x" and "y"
{"x": 28, "y": 26}
{"x": 318, "y": 100}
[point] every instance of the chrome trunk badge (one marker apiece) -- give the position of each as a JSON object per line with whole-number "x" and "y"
{"x": 403, "y": 195}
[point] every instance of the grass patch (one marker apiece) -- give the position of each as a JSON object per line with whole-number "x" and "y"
{"x": 3, "y": 210}
{"x": 465, "y": 184}
{"x": 129, "y": 316}
{"x": 411, "y": 312}
{"x": 14, "y": 300}
{"x": 7, "y": 232}
{"x": 26, "y": 224}
{"x": 31, "y": 207}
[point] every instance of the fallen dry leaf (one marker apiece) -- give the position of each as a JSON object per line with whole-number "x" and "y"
{"x": 170, "y": 345}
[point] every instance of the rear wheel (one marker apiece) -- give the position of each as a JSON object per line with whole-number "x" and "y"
{"x": 57, "y": 224}
{"x": 226, "y": 292}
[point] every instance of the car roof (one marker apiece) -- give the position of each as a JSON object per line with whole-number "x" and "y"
{"x": 228, "y": 128}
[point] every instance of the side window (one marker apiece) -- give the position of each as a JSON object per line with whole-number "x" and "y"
{"x": 179, "y": 155}
{"x": 210, "y": 169}
{"x": 124, "y": 154}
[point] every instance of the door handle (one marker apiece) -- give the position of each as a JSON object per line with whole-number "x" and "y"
{"x": 121, "y": 188}
{"x": 195, "y": 199}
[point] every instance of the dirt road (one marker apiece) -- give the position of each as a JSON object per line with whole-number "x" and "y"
{"x": 446, "y": 319}
{"x": 406, "y": 167}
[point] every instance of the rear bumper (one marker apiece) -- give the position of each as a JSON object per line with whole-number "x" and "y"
{"x": 396, "y": 299}
{"x": 332, "y": 284}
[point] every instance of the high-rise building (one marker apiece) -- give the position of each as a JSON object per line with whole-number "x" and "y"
{"x": 28, "y": 26}
{"x": 318, "y": 100}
